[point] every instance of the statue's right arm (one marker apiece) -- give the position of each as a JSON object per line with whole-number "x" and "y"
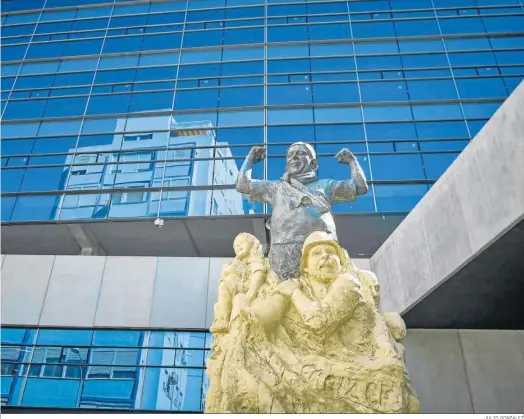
{"x": 258, "y": 190}
{"x": 243, "y": 184}
{"x": 320, "y": 316}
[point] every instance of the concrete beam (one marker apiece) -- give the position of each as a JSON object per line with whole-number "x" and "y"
{"x": 456, "y": 260}
{"x": 86, "y": 241}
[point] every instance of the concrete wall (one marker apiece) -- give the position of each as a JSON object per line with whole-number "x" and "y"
{"x": 478, "y": 199}
{"x": 453, "y": 371}
{"x": 467, "y": 371}
{"x": 112, "y": 291}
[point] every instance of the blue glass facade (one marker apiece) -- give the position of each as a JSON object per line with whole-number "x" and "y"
{"x": 104, "y": 369}
{"x": 118, "y": 109}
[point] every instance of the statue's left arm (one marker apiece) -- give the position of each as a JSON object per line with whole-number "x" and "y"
{"x": 347, "y": 190}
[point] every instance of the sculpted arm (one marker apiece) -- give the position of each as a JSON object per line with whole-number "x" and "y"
{"x": 258, "y": 276}
{"x": 333, "y": 308}
{"x": 258, "y": 190}
{"x": 348, "y": 190}
{"x": 244, "y": 181}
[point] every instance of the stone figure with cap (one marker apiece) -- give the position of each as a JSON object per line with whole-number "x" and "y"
{"x": 301, "y": 202}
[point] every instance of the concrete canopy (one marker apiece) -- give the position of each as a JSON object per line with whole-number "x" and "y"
{"x": 360, "y": 234}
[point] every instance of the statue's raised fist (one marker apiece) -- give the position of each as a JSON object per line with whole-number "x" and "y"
{"x": 256, "y": 154}
{"x": 345, "y": 156}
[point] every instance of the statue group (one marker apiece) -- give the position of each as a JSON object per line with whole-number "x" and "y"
{"x": 300, "y": 331}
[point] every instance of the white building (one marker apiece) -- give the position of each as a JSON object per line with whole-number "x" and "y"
{"x": 188, "y": 156}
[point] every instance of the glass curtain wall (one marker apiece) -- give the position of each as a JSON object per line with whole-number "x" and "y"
{"x": 104, "y": 369}
{"x": 124, "y": 109}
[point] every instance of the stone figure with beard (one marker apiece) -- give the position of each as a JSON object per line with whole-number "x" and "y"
{"x": 300, "y": 201}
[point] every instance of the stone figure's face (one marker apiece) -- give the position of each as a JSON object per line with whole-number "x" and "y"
{"x": 299, "y": 160}
{"x": 323, "y": 262}
{"x": 242, "y": 247}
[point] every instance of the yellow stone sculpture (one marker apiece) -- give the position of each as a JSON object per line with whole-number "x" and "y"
{"x": 312, "y": 344}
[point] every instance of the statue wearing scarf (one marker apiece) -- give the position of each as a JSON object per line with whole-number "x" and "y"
{"x": 301, "y": 202}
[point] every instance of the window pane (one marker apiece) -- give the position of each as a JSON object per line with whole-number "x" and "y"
{"x": 387, "y": 113}
{"x": 184, "y": 387}
{"x": 398, "y": 197}
{"x": 12, "y": 335}
{"x": 431, "y": 90}
{"x": 397, "y": 167}
{"x": 480, "y": 110}
{"x": 481, "y": 88}
{"x": 289, "y": 116}
{"x": 441, "y": 129}
{"x": 436, "y": 164}
{"x": 243, "y": 96}
{"x": 391, "y": 131}
{"x": 48, "y": 392}
{"x": 99, "y": 105}
{"x": 35, "y": 208}
{"x": 8, "y": 204}
{"x": 384, "y": 91}
{"x": 435, "y": 112}
{"x": 327, "y": 115}
{"x": 118, "y": 338}
{"x": 25, "y": 109}
{"x": 289, "y": 95}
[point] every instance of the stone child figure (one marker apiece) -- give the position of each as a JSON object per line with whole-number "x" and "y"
{"x": 240, "y": 281}
{"x": 301, "y": 202}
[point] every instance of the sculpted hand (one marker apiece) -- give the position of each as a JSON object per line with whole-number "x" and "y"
{"x": 345, "y": 156}
{"x": 250, "y": 296}
{"x": 257, "y": 154}
{"x": 287, "y": 287}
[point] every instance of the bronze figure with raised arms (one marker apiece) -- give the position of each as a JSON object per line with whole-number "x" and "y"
{"x": 301, "y": 331}
{"x": 300, "y": 201}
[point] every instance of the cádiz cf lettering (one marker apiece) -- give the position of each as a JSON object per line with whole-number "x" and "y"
{"x": 381, "y": 396}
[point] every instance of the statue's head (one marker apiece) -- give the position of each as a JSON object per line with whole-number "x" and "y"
{"x": 322, "y": 257}
{"x": 246, "y": 245}
{"x": 301, "y": 158}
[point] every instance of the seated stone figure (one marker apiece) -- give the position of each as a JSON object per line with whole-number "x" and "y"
{"x": 313, "y": 344}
